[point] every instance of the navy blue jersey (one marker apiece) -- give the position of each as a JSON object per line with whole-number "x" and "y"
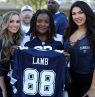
{"x": 46, "y": 45}
{"x": 38, "y": 73}
{"x": 82, "y": 56}
{"x": 61, "y": 23}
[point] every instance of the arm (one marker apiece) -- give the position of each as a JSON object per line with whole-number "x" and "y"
{"x": 91, "y": 91}
{"x": 13, "y": 48}
{"x": 2, "y": 83}
{"x": 3, "y": 87}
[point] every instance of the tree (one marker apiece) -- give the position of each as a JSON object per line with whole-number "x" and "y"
{"x": 36, "y": 4}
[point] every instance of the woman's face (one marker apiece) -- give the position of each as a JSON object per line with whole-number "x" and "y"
{"x": 78, "y": 16}
{"x": 14, "y": 24}
{"x": 43, "y": 23}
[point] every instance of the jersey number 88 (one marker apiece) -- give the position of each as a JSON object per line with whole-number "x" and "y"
{"x": 38, "y": 82}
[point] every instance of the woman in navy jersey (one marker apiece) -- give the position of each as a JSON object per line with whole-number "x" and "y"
{"x": 80, "y": 43}
{"x": 42, "y": 31}
{"x": 11, "y": 36}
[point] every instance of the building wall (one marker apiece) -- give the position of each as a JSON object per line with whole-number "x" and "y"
{"x": 5, "y": 7}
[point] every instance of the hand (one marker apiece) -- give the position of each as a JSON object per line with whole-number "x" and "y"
{"x": 67, "y": 55}
{"x": 4, "y": 93}
{"x": 13, "y": 48}
{"x": 90, "y": 93}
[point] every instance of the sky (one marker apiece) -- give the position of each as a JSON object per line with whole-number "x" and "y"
{"x": 2, "y": 0}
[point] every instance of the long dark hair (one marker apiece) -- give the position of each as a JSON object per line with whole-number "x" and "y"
{"x": 90, "y": 22}
{"x": 33, "y": 31}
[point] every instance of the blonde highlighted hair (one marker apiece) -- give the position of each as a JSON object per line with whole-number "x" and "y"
{"x": 4, "y": 37}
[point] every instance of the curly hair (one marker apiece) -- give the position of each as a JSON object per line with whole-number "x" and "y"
{"x": 33, "y": 31}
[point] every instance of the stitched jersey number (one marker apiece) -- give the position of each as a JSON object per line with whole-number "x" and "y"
{"x": 46, "y": 85}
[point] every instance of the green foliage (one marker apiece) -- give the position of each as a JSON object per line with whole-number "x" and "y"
{"x": 36, "y": 4}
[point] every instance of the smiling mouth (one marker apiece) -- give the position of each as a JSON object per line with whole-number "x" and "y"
{"x": 78, "y": 21}
{"x": 14, "y": 28}
{"x": 42, "y": 28}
